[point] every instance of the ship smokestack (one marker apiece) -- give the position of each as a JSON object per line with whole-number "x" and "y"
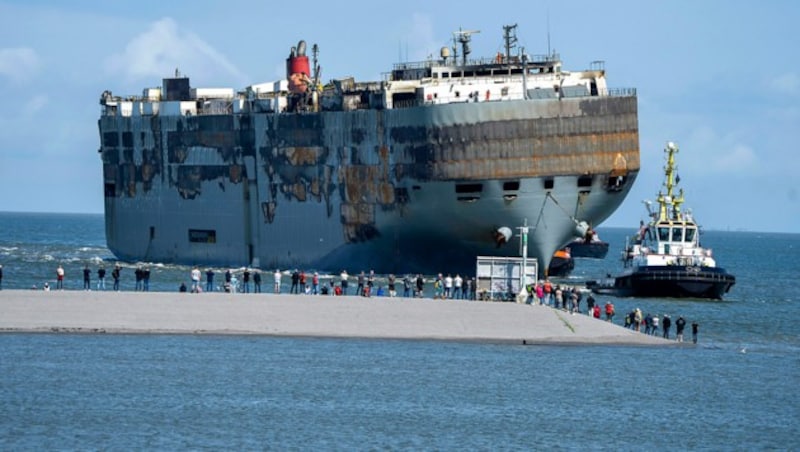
{"x": 298, "y": 69}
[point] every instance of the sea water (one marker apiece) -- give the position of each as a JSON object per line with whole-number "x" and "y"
{"x": 735, "y": 389}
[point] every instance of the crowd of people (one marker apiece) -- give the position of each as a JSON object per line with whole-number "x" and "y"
{"x": 545, "y": 293}
{"x": 569, "y": 299}
{"x": 650, "y": 324}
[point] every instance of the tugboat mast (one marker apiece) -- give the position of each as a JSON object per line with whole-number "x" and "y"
{"x": 665, "y": 201}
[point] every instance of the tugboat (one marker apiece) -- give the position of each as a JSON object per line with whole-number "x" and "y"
{"x": 562, "y": 264}
{"x": 589, "y": 246}
{"x": 666, "y": 259}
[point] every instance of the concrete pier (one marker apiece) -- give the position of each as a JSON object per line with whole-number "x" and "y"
{"x": 305, "y": 316}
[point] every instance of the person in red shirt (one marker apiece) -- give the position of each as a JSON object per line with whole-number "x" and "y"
{"x": 609, "y": 311}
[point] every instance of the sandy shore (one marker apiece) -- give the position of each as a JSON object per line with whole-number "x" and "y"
{"x": 300, "y": 315}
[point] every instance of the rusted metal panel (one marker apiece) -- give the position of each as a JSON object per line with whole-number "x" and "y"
{"x": 296, "y": 190}
{"x": 358, "y": 220}
{"x": 268, "y": 209}
{"x": 302, "y": 156}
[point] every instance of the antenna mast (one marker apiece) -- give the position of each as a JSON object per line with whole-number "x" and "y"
{"x": 548, "y": 31}
{"x": 510, "y": 38}
{"x": 463, "y": 37}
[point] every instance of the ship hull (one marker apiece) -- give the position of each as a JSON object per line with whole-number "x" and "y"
{"x": 411, "y": 190}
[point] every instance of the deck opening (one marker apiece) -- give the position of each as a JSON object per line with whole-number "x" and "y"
{"x": 585, "y": 181}
{"x": 469, "y": 188}
{"x": 203, "y": 235}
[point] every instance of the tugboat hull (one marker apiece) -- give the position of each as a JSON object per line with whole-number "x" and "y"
{"x": 671, "y": 282}
{"x": 590, "y": 250}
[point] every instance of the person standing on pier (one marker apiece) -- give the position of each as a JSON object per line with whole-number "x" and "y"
{"x": 360, "y": 287}
{"x": 302, "y": 279}
{"x": 195, "y": 280}
{"x": 60, "y": 278}
{"x": 101, "y": 278}
{"x": 458, "y": 284}
{"x": 420, "y": 285}
{"x": 146, "y": 280}
{"x": 371, "y": 280}
{"x": 295, "y": 282}
{"x": 87, "y": 275}
{"x": 256, "y": 281}
{"x": 246, "y": 280}
{"x": 138, "y": 277}
{"x": 680, "y": 324}
{"x": 115, "y": 275}
{"x": 209, "y": 280}
{"x": 344, "y": 282}
{"x": 391, "y": 284}
{"x": 406, "y": 285}
{"x": 277, "y": 277}
{"x": 448, "y": 287}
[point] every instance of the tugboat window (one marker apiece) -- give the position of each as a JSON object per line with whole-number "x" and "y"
{"x": 663, "y": 234}
{"x": 690, "y": 234}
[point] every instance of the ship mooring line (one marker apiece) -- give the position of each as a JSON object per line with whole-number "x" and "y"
{"x": 550, "y": 195}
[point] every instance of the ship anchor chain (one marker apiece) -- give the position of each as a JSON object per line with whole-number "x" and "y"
{"x": 581, "y": 227}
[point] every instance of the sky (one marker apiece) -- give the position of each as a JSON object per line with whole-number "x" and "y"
{"x": 719, "y": 78}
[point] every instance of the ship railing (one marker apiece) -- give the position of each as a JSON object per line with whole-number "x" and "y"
{"x": 611, "y": 92}
{"x": 620, "y": 92}
{"x": 532, "y": 60}
{"x": 615, "y": 92}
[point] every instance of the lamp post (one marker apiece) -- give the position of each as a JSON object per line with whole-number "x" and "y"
{"x": 523, "y": 230}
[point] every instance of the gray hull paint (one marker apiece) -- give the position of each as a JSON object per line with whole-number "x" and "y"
{"x": 365, "y": 189}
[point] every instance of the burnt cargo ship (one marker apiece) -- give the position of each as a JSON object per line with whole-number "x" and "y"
{"x": 421, "y": 171}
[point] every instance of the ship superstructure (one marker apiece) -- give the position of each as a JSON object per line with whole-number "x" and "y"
{"x": 418, "y": 172}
